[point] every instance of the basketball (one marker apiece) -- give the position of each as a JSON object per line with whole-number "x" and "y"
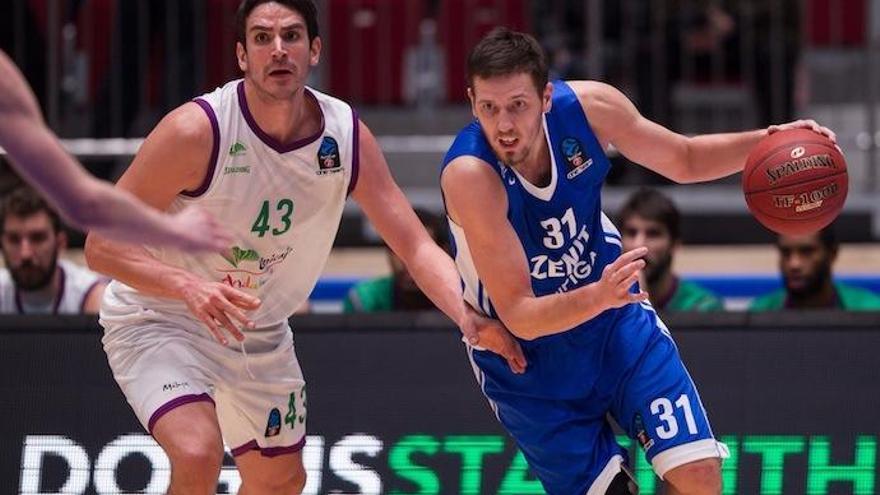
{"x": 795, "y": 182}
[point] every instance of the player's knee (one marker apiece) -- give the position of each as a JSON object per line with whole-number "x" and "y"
{"x": 204, "y": 458}
{"x": 290, "y": 482}
{"x": 701, "y": 477}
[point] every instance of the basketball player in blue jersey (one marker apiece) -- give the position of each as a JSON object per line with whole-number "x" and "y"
{"x": 199, "y": 342}
{"x": 522, "y": 189}
{"x": 83, "y": 201}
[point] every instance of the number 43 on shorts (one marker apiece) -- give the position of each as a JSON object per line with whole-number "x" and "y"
{"x": 665, "y": 410}
{"x": 296, "y": 413}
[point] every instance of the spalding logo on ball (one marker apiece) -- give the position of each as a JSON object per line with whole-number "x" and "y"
{"x": 795, "y": 182}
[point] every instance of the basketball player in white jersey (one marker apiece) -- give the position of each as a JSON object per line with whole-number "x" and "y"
{"x": 275, "y": 160}
{"x": 35, "y": 280}
{"x": 85, "y": 202}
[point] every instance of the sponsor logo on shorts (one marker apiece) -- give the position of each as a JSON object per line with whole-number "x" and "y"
{"x": 273, "y": 426}
{"x": 574, "y": 154}
{"x": 168, "y": 387}
{"x": 328, "y": 157}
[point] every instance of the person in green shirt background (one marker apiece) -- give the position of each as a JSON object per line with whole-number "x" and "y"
{"x": 398, "y": 291}
{"x": 806, "y": 263}
{"x": 650, "y": 218}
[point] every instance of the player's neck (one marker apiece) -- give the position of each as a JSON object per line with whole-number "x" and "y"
{"x": 826, "y": 297}
{"x": 536, "y": 167}
{"x": 44, "y": 295}
{"x": 661, "y": 290}
{"x": 284, "y": 120}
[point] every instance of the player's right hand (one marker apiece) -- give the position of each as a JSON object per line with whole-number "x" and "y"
{"x": 197, "y": 230}
{"x": 217, "y": 305}
{"x": 619, "y": 276}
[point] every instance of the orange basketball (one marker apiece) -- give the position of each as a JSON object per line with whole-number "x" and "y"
{"x": 795, "y": 182}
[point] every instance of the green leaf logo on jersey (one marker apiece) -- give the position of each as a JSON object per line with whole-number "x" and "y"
{"x": 237, "y": 149}
{"x": 238, "y": 255}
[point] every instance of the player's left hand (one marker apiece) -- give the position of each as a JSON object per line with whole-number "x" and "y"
{"x": 487, "y": 334}
{"x": 804, "y": 124}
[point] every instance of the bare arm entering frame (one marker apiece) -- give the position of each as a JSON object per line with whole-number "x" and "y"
{"x": 87, "y": 203}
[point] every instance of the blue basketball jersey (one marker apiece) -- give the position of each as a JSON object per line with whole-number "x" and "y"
{"x": 567, "y": 238}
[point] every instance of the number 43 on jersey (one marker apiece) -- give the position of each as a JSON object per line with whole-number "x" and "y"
{"x": 275, "y": 218}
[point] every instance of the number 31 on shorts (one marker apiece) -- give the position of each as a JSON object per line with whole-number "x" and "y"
{"x": 665, "y": 410}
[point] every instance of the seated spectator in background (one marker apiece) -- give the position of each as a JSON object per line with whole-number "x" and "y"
{"x": 806, "y": 263}
{"x": 35, "y": 281}
{"x": 398, "y": 291}
{"x": 649, "y": 218}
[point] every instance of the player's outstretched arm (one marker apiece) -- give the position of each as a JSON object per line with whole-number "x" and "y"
{"x": 476, "y": 201}
{"x": 82, "y": 200}
{"x": 174, "y": 158}
{"x": 683, "y": 159}
{"x": 432, "y": 269}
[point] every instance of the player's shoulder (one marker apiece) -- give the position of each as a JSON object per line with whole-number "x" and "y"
{"x": 594, "y": 92}
{"x": 188, "y": 124}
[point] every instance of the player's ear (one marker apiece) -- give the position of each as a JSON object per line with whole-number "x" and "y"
{"x": 241, "y": 55}
{"x": 547, "y": 97}
{"x": 315, "y": 51}
{"x": 470, "y": 94}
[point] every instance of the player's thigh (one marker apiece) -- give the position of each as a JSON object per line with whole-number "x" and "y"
{"x": 267, "y": 475}
{"x": 159, "y": 367}
{"x": 261, "y": 402}
{"x": 660, "y": 407}
{"x": 190, "y": 435}
{"x": 568, "y": 444}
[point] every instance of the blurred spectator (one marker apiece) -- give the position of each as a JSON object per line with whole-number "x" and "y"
{"x": 35, "y": 280}
{"x": 398, "y": 291}
{"x": 649, "y": 218}
{"x": 424, "y": 69}
{"x": 806, "y": 263}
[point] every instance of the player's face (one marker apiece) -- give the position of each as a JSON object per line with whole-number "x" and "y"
{"x": 805, "y": 263}
{"x": 277, "y": 55}
{"x": 637, "y": 232}
{"x": 510, "y": 111}
{"x": 30, "y": 249}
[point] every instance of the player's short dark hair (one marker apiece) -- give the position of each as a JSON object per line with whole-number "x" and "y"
{"x": 827, "y": 237}
{"x": 24, "y": 202}
{"x": 503, "y": 52}
{"x": 306, "y": 8}
{"x": 655, "y": 206}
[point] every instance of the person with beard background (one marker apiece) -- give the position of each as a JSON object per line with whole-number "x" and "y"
{"x": 398, "y": 291}
{"x": 649, "y": 218}
{"x": 35, "y": 281}
{"x": 806, "y": 263}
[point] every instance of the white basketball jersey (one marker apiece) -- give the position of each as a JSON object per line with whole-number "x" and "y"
{"x": 75, "y": 285}
{"x": 282, "y": 202}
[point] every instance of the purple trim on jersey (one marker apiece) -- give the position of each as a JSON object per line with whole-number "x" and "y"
{"x": 20, "y": 308}
{"x": 175, "y": 403}
{"x": 215, "y": 149}
{"x": 269, "y": 451}
{"x": 356, "y": 152}
{"x": 266, "y": 138}
{"x": 88, "y": 292}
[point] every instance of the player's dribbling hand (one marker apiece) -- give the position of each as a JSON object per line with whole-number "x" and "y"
{"x": 804, "y": 124}
{"x": 198, "y": 230}
{"x": 491, "y": 335}
{"x": 217, "y": 305}
{"x": 620, "y": 275}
